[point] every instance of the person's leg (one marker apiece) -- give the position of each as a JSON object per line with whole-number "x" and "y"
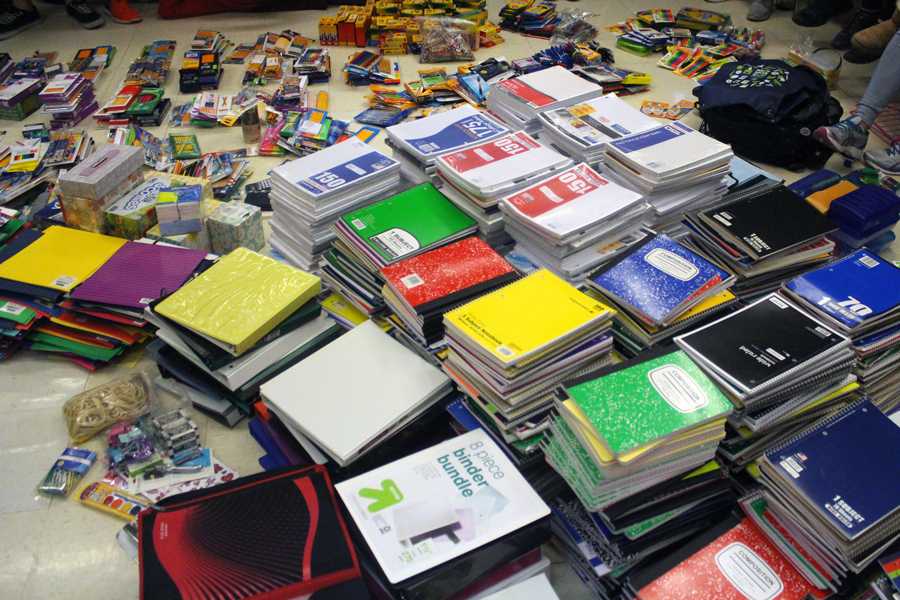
{"x": 17, "y": 16}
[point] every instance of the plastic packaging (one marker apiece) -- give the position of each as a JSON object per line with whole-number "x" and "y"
{"x": 67, "y": 471}
{"x": 573, "y": 27}
{"x": 445, "y": 39}
{"x": 123, "y": 399}
{"x": 824, "y": 61}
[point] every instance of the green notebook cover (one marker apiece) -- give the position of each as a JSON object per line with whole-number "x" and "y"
{"x": 649, "y": 400}
{"x": 407, "y": 223}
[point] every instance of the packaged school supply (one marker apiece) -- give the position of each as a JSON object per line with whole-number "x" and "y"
{"x": 67, "y": 471}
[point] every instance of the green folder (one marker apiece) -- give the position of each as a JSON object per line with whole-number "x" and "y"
{"x": 649, "y": 400}
{"x": 51, "y": 343}
{"x": 16, "y": 312}
{"x": 408, "y": 223}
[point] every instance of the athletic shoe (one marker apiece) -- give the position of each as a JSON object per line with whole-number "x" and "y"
{"x": 847, "y": 137}
{"x": 760, "y": 10}
{"x": 886, "y": 161}
{"x": 122, "y": 12}
{"x": 84, "y": 14}
{"x": 819, "y": 12}
{"x": 14, "y": 21}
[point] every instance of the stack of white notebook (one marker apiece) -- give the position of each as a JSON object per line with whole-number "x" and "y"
{"x": 354, "y": 393}
{"x": 416, "y": 144}
{"x": 310, "y": 193}
{"x": 677, "y": 168}
{"x": 583, "y": 130}
{"x": 519, "y": 100}
{"x": 574, "y": 221}
{"x": 476, "y": 178}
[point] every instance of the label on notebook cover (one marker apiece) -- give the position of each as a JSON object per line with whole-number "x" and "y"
{"x": 526, "y": 93}
{"x": 345, "y": 174}
{"x": 490, "y": 152}
{"x": 466, "y": 130}
{"x": 651, "y": 138}
{"x": 430, "y": 507}
{"x": 853, "y": 290}
{"x": 741, "y": 564}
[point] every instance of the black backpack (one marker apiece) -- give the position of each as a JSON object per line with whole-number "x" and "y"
{"x": 767, "y": 111}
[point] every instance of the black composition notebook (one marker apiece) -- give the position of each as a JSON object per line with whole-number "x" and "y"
{"x": 277, "y": 534}
{"x": 760, "y": 344}
{"x": 770, "y": 223}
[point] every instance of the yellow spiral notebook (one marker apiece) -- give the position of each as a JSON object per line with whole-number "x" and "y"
{"x": 61, "y": 258}
{"x": 240, "y": 299}
{"x": 521, "y": 320}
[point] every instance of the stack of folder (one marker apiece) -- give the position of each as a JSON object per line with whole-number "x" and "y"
{"x": 636, "y": 445}
{"x": 445, "y": 522}
{"x": 519, "y": 100}
{"x": 308, "y": 195}
{"x": 859, "y": 296}
{"x": 476, "y": 178}
{"x": 574, "y": 221}
{"x": 508, "y": 350}
{"x": 420, "y": 289}
{"x": 764, "y": 239}
{"x": 68, "y": 98}
{"x": 239, "y": 323}
{"x": 355, "y": 394}
{"x": 37, "y": 270}
{"x": 660, "y": 288}
{"x": 829, "y": 495}
{"x": 399, "y": 227}
{"x": 676, "y": 168}
{"x": 583, "y": 130}
{"x": 746, "y": 179}
{"x": 416, "y": 144}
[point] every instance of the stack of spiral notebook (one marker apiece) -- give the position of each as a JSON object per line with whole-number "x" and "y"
{"x": 507, "y": 370}
{"x": 308, "y": 195}
{"x": 476, "y": 178}
{"x": 574, "y": 221}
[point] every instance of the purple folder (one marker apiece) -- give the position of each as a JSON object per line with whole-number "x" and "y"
{"x": 138, "y": 274}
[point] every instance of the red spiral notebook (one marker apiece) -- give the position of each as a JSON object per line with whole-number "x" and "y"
{"x": 272, "y": 535}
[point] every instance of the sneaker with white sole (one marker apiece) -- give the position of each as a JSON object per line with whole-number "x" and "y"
{"x": 886, "y": 161}
{"x": 848, "y": 137}
{"x": 14, "y": 21}
{"x": 84, "y": 14}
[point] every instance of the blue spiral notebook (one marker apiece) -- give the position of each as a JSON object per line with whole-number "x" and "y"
{"x": 846, "y": 468}
{"x": 659, "y": 280}
{"x": 854, "y": 291}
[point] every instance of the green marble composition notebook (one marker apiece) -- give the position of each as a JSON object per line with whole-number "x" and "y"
{"x": 649, "y": 400}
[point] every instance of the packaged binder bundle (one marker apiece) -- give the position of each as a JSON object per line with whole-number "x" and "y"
{"x": 433, "y": 523}
{"x": 399, "y": 227}
{"x": 68, "y": 98}
{"x": 308, "y": 195}
{"x": 19, "y": 97}
{"x": 859, "y": 295}
{"x": 507, "y": 370}
{"x": 676, "y": 168}
{"x": 583, "y": 130}
{"x": 660, "y": 287}
{"x": 416, "y": 144}
{"x": 519, "y": 100}
{"x": 763, "y": 239}
{"x": 573, "y": 221}
{"x": 346, "y": 413}
{"x": 476, "y": 178}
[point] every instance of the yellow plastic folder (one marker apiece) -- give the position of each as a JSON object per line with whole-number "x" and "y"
{"x": 240, "y": 299}
{"x": 61, "y": 258}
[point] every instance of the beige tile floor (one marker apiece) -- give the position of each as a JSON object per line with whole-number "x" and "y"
{"x": 58, "y": 549}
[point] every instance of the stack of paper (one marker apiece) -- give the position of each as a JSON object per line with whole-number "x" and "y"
{"x": 777, "y": 363}
{"x": 398, "y": 227}
{"x": 477, "y": 177}
{"x": 833, "y": 488}
{"x": 636, "y": 443}
{"x": 460, "y": 505}
{"x": 519, "y": 100}
{"x": 308, "y": 194}
{"x": 355, "y": 393}
{"x": 419, "y": 290}
{"x": 573, "y": 221}
{"x": 240, "y": 322}
{"x": 416, "y": 144}
{"x": 68, "y": 98}
{"x": 510, "y": 348}
{"x": 859, "y": 296}
{"x": 675, "y": 167}
{"x": 583, "y": 130}
{"x": 764, "y": 239}
{"x": 660, "y": 288}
